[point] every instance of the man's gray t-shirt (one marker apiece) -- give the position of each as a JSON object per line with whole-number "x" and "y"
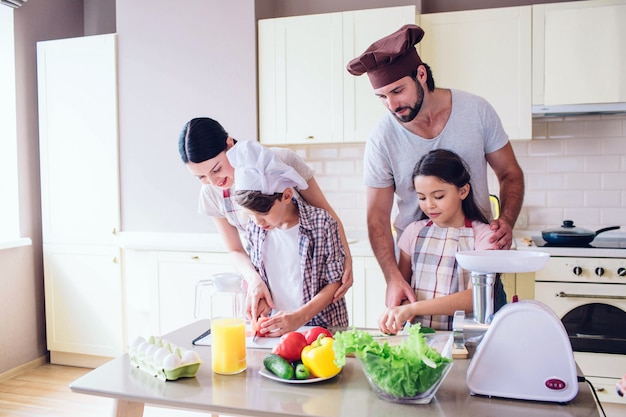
{"x": 391, "y": 152}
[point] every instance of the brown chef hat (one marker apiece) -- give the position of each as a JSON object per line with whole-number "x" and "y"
{"x": 390, "y": 58}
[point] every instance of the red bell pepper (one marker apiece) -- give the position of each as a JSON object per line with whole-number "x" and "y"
{"x": 312, "y": 334}
{"x": 290, "y": 346}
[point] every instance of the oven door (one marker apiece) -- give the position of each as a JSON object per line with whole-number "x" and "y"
{"x": 594, "y": 315}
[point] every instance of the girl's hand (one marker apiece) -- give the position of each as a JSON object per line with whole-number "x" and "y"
{"x": 393, "y": 319}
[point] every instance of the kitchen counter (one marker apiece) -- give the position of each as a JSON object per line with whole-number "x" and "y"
{"x": 251, "y": 394}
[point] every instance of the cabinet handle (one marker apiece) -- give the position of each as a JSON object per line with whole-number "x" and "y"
{"x": 608, "y": 297}
{"x": 195, "y": 257}
{"x": 115, "y": 259}
{"x": 310, "y": 137}
{"x": 114, "y": 231}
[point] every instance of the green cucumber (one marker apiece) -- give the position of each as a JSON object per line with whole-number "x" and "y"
{"x": 278, "y": 366}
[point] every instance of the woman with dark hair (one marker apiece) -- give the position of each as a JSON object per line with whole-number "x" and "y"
{"x": 452, "y": 222}
{"x": 203, "y": 144}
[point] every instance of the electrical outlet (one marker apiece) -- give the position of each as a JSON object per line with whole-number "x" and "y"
{"x": 522, "y": 221}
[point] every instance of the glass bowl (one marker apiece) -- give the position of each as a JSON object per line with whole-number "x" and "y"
{"x": 368, "y": 361}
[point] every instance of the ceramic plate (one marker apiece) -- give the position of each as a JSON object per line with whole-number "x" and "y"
{"x": 268, "y": 374}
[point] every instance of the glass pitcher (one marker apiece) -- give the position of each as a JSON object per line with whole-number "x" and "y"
{"x": 228, "y": 325}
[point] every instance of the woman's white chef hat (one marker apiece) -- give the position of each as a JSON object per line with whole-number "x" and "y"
{"x": 257, "y": 169}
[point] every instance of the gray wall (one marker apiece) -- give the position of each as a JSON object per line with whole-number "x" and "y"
{"x": 22, "y": 328}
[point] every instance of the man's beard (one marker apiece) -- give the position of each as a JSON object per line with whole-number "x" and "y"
{"x": 415, "y": 109}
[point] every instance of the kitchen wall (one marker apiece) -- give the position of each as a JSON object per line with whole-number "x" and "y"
{"x": 574, "y": 168}
{"x": 198, "y": 58}
{"x": 22, "y": 328}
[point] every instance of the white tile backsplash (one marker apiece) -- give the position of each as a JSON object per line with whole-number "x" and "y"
{"x": 575, "y": 168}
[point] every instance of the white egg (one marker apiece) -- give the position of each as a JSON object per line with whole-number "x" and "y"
{"x": 190, "y": 356}
{"x": 136, "y": 343}
{"x": 160, "y": 355}
{"x": 149, "y": 352}
{"x": 171, "y": 361}
{"x": 141, "y": 349}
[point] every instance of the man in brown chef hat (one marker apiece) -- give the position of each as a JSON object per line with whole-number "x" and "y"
{"x": 421, "y": 118}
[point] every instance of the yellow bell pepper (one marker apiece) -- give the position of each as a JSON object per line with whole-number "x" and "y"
{"x": 319, "y": 357}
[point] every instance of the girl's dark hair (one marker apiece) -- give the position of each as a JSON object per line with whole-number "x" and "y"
{"x": 201, "y": 139}
{"x": 256, "y": 200}
{"x": 450, "y": 167}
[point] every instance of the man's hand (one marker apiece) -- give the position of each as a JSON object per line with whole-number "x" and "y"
{"x": 399, "y": 291}
{"x": 503, "y": 234}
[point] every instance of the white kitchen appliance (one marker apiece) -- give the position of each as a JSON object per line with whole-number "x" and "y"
{"x": 525, "y": 354}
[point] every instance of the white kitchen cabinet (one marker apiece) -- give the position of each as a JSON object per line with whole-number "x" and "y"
{"x": 78, "y": 125}
{"x": 579, "y": 52}
{"x": 178, "y": 275}
{"x": 83, "y": 290}
{"x": 368, "y": 292}
{"x": 306, "y": 94}
{"x": 488, "y": 53}
{"x": 77, "y": 87}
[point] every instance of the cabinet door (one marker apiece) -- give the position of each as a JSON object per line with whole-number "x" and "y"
{"x": 83, "y": 289}
{"x": 369, "y": 292}
{"x": 77, "y": 87}
{"x": 179, "y": 275}
{"x": 361, "y": 28}
{"x": 488, "y": 53}
{"x": 579, "y": 52}
{"x": 300, "y": 81}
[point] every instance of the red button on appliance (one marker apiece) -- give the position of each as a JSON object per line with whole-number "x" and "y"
{"x": 555, "y": 384}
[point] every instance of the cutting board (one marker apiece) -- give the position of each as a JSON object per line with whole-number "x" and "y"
{"x": 259, "y": 343}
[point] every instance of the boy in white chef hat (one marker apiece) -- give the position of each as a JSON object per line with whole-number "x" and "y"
{"x": 295, "y": 247}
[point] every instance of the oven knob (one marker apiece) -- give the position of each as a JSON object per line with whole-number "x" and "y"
{"x": 599, "y": 271}
{"x": 577, "y": 270}
{"x": 621, "y": 271}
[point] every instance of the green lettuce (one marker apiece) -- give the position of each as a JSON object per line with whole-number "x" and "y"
{"x": 402, "y": 370}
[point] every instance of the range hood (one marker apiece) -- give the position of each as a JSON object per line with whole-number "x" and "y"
{"x": 577, "y": 109}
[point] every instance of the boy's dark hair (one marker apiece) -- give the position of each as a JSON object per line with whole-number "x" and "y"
{"x": 256, "y": 201}
{"x": 450, "y": 167}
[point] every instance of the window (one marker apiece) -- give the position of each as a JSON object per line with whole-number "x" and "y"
{"x": 9, "y": 204}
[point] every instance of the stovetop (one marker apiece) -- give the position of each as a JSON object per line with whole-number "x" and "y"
{"x": 600, "y": 247}
{"x": 597, "y": 243}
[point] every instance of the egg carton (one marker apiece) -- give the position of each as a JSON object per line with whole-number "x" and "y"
{"x": 163, "y": 359}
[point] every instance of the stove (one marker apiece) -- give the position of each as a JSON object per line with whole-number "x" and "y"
{"x": 597, "y": 243}
{"x": 600, "y": 247}
{"x": 586, "y": 288}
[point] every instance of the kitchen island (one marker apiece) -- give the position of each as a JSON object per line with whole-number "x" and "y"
{"x": 251, "y": 394}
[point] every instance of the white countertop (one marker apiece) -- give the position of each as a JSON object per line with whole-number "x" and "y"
{"x": 251, "y": 394}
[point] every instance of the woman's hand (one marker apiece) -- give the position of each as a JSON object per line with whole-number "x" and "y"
{"x": 346, "y": 280}
{"x": 258, "y": 299}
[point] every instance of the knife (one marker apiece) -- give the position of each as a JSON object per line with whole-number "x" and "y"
{"x": 202, "y": 336}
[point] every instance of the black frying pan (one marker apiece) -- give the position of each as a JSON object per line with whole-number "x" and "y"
{"x": 570, "y": 235}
